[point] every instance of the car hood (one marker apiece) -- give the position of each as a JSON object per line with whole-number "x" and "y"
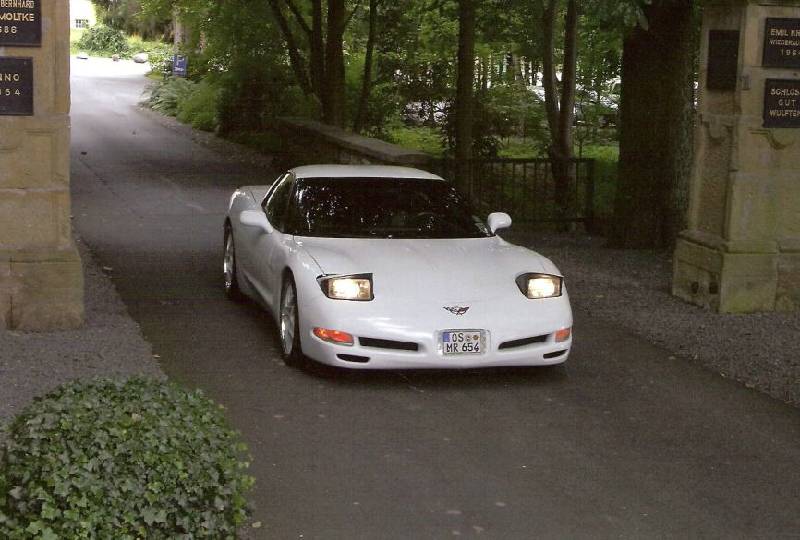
{"x": 454, "y": 270}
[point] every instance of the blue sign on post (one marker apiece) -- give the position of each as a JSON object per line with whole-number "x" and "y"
{"x": 180, "y": 66}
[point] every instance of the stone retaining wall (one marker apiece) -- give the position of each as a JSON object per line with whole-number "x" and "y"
{"x": 307, "y": 142}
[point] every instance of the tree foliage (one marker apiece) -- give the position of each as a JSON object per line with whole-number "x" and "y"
{"x": 544, "y": 71}
{"x": 128, "y": 16}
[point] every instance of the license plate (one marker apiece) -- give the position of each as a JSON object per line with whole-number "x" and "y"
{"x": 463, "y": 342}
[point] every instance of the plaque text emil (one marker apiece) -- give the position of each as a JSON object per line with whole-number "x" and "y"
{"x": 782, "y": 43}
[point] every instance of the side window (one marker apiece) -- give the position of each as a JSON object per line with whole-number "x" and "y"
{"x": 277, "y": 202}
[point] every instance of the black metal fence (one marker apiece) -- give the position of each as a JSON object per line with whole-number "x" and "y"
{"x": 526, "y": 189}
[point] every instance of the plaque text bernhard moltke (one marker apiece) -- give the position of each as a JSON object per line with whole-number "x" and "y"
{"x": 20, "y": 23}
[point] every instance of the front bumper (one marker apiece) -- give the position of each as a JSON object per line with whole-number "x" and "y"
{"x": 504, "y": 323}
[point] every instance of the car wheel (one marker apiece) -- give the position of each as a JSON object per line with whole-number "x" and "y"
{"x": 289, "y": 325}
{"x": 231, "y": 282}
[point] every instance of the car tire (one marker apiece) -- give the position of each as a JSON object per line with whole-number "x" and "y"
{"x": 229, "y": 270}
{"x": 289, "y": 326}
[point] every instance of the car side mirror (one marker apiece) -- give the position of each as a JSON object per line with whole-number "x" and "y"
{"x": 255, "y": 218}
{"x": 498, "y": 220}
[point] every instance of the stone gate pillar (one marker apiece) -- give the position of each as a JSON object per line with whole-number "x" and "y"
{"x": 41, "y": 279}
{"x": 741, "y": 252}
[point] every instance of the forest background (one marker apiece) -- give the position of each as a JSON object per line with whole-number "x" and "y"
{"x": 612, "y": 80}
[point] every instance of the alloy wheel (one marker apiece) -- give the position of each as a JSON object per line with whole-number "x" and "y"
{"x": 288, "y": 319}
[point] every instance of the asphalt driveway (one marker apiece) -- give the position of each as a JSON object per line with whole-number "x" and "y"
{"x": 624, "y": 442}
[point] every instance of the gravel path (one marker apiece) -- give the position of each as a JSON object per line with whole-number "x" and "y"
{"x": 110, "y": 344}
{"x": 632, "y": 288}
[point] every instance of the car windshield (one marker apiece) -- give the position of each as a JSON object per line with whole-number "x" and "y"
{"x": 382, "y": 208}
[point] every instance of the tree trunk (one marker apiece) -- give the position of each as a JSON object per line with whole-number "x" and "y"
{"x": 511, "y": 70}
{"x": 560, "y": 108}
{"x": 295, "y": 58}
{"x": 317, "y": 48}
{"x": 464, "y": 93}
{"x": 179, "y": 30}
{"x": 366, "y": 82}
{"x": 655, "y": 128}
{"x": 561, "y": 151}
{"x": 548, "y": 67}
{"x": 333, "y": 101}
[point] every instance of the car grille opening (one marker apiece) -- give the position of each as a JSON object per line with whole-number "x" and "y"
{"x": 523, "y": 342}
{"x": 388, "y": 344}
{"x": 353, "y": 358}
{"x": 554, "y": 354}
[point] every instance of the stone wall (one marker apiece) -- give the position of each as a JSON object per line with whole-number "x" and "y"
{"x": 307, "y": 142}
{"x": 741, "y": 252}
{"x": 41, "y": 280}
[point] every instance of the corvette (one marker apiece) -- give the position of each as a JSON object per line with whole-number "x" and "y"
{"x": 377, "y": 267}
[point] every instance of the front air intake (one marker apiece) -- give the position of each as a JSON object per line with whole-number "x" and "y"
{"x": 389, "y": 344}
{"x": 353, "y": 358}
{"x": 523, "y": 342}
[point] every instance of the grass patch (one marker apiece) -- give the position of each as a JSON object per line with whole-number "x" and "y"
{"x": 422, "y": 139}
{"x": 518, "y": 148}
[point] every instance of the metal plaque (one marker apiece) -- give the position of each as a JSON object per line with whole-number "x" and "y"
{"x": 16, "y": 86}
{"x": 20, "y": 23}
{"x": 782, "y": 103}
{"x": 723, "y": 59}
{"x": 782, "y": 43}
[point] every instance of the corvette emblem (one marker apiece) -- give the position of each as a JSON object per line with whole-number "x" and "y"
{"x": 457, "y": 310}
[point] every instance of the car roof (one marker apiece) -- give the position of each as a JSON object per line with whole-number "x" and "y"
{"x": 361, "y": 171}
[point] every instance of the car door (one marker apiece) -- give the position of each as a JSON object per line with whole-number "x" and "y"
{"x": 270, "y": 250}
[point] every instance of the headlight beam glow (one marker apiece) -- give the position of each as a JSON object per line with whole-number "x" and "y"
{"x": 356, "y": 287}
{"x": 537, "y": 286}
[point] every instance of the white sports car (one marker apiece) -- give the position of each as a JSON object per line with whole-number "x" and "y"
{"x": 375, "y": 267}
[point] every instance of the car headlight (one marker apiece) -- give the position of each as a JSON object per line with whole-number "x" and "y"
{"x": 354, "y": 287}
{"x": 540, "y": 285}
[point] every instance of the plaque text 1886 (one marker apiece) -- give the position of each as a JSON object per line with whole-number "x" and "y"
{"x": 20, "y": 23}
{"x": 16, "y": 86}
{"x": 782, "y": 103}
{"x": 782, "y": 43}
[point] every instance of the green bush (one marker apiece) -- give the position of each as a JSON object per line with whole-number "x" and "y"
{"x": 199, "y": 108}
{"x": 158, "y": 53}
{"x": 104, "y": 40}
{"x": 166, "y": 96}
{"x": 122, "y": 460}
{"x": 159, "y": 58}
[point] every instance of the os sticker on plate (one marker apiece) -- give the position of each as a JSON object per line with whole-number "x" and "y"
{"x": 463, "y": 342}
